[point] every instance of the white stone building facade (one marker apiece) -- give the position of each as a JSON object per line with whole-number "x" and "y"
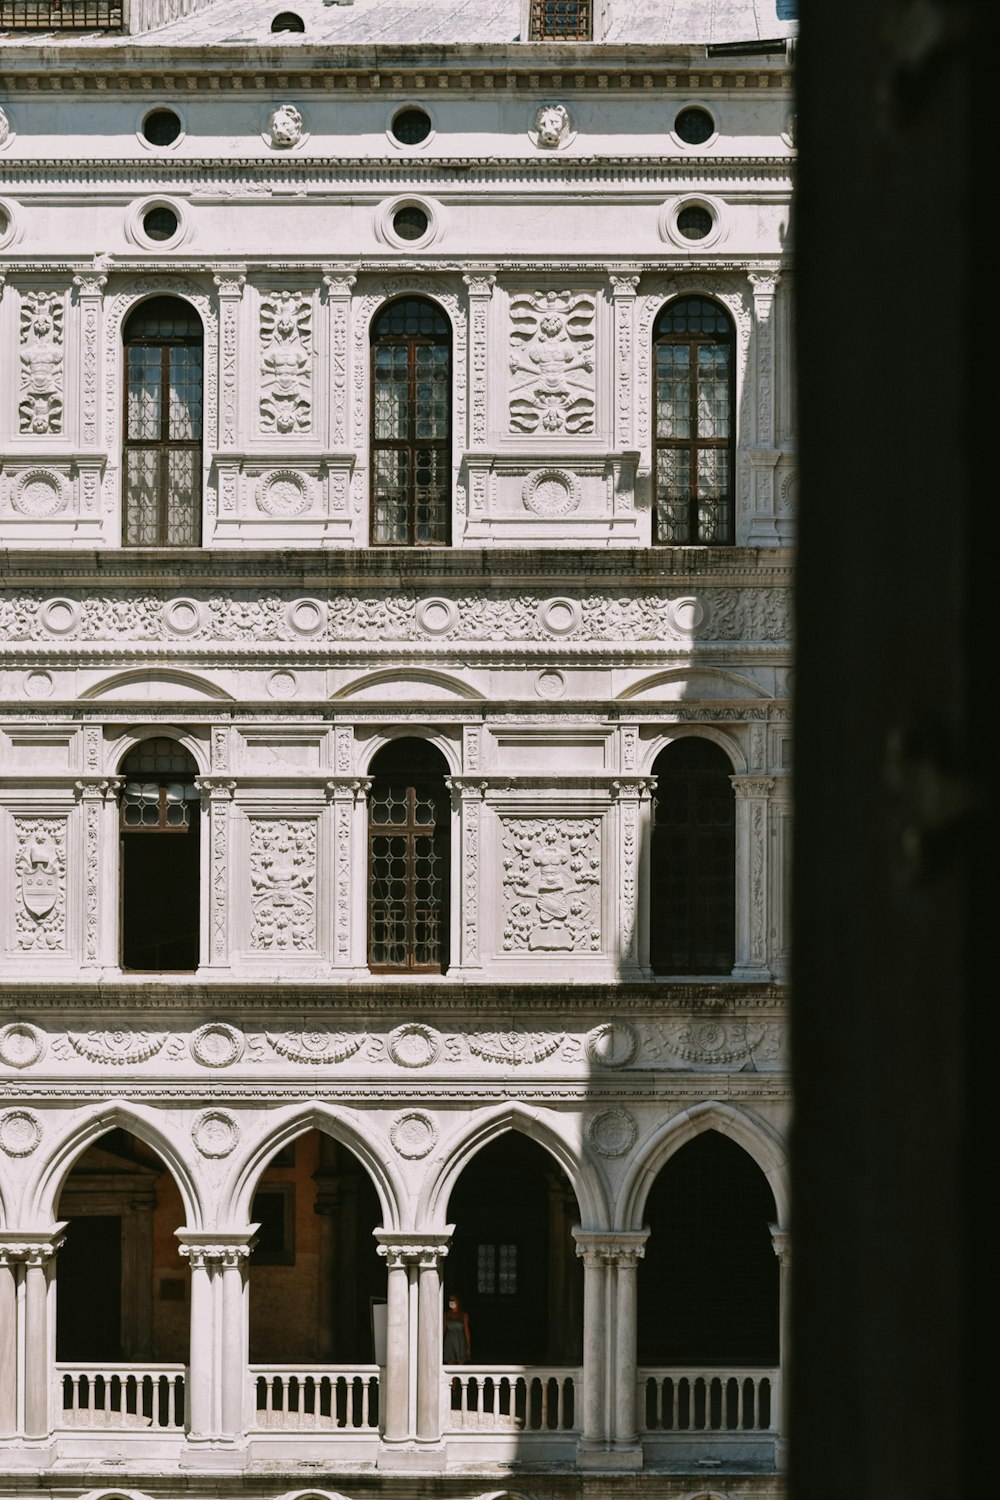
{"x": 397, "y": 484}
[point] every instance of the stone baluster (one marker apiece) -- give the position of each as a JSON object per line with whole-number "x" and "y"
{"x": 752, "y": 895}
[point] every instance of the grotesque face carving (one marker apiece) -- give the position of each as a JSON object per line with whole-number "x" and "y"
{"x": 551, "y": 125}
{"x": 286, "y": 126}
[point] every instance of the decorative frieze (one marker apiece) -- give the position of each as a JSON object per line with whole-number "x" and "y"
{"x": 552, "y": 362}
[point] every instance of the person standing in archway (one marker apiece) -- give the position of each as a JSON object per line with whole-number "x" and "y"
{"x": 457, "y": 1336}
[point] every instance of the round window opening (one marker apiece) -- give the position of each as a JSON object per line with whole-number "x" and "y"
{"x": 288, "y": 21}
{"x": 410, "y": 223}
{"x": 694, "y": 222}
{"x": 411, "y": 126}
{"x": 694, "y": 126}
{"x": 160, "y": 224}
{"x": 161, "y": 127}
{"x": 4, "y": 222}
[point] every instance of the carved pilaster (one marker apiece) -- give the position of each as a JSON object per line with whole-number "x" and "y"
{"x": 761, "y": 453}
{"x": 217, "y": 794}
{"x": 92, "y": 795}
{"x": 480, "y": 292}
{"x": 90, "y": 298}
{"x": 623, "y": 294}
{"x": 338, "y": 297}
{"x": 752, "y": 794}
{"x": 230, "y": 286}
{"x": 467, "y": 800}
{"x": 630, "y": 797}
{"x": 346, "y": 794}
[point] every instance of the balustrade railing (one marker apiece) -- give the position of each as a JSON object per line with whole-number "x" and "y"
{"x": 708, "y": 1400}
{"x": 128, "y": 1396}
{"x": 509, "y": 1398}
{"x": 297, "y": 1397}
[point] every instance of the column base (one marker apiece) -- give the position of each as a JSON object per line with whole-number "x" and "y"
{"x": 608, "y": 1456}
{"x": 759, "y": 973}
{"x": 412, "y": 1456}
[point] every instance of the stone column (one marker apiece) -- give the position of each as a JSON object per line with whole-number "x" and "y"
{"x": 467, "y": 794}
{"x": 762, "y": 454}
{"x": 782, "y": 1246}
{"x": 752, "y": 793}
{"x": 609, "y": 1439}
{"x": 27, "y": 1263}
{"x": 216, "y": 798}
{"x": 217, "y": 1361}
{"x": 413, "y": 1357}
{"x": 8, "y": 1342}
{"x": 347, "y": 795}
{"x": 632, "y": 799}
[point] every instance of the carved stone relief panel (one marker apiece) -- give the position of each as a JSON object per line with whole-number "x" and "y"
{"x": 551, "y": 885}
{"x": 40, "y": 406}
{"x": 551, "y": 360}
{"x": 40, "y": 884}
{"x": 286, "y": 358}
{"x": 283, "y": 884}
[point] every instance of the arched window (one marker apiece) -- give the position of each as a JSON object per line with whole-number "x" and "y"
{"x": 160, "y": 858}
{"x": 694, "y": 401}
{"x": 411, "y": 426}
{"x": 163, "y": 425}
{"x": 693, "y": 859}
{"x": 409, "y": 847}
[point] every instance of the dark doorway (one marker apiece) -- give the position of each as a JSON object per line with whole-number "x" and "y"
{"x": 88, "y": 1290}
{"x": 513, "y": 1259}
{"x": 160, "y": 858}
{"x": 708, "y": 1286}
{"x": 693, "y": 861}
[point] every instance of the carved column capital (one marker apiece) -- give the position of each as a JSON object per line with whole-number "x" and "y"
{"x": 230, "y": 283}
{"x": 622, "y": 1247}
{"x": 106, "y": 788}
{"x": 31, "y": 1247}
{"x": 638, "y": 789}
{"x": 472, "y": 788}
{"x": 764, "y": 284}
{"x": 781, "y": 1244}
{"x": 752, "y": 787}
{"x": 339, "y": 283}
{"x": 215, "y": 788}
{"x": 231, "y": 1247}
{"x": 348, "y": 788}
{"x": 622, "y": 285}
{"x": 480, "y": 285}
{"x": 413, "y": 1248}
{"x": 90, "y": 284}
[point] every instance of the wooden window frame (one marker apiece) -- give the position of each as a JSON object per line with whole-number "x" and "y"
{"x": 578, "y": 21}
{"x": 410, "y": 830}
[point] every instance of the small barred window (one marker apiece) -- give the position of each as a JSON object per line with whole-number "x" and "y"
{"x": 561, "y": 21}
{"x": 61, "y": 15}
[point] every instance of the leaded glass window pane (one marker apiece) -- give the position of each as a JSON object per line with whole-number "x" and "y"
{"x": 163, "y": 425}
{"x": 411, "y": 426}
{"x": 408, "y": 859}
{"x": 694, "y": 404}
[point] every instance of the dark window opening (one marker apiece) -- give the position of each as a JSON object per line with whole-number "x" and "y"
{"x": 411, "y": 426}
{"x": 694, "y": 401}
{"x": 163, "y": 424}
{"x": 61, "y": 15}
{"x": 693, "y": 861}
{"x": 709, "y": 1282}
{"x": 160, "y": 859}
{"x": 160, "y": 224}
{"x": 410, "y": 223}
{"x": 409, "y": 855}
{"x": 561, "y": 21}
{"x": 694, "y": 125}
{"x": 411, "y": 126}
{"x": 161, "y": 127}
{"x": 274, "y": 1211}
{"x": 694, "y": 222}
{"x": 287, "y": 20}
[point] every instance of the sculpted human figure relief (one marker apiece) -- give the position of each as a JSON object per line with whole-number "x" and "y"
{"x": 40, "y": 406}
{"x": 552, "y": 125}
{"x": 552, "y": 362}
{"x": 286, "y": 362}
{"x": 286, "y": 126}
{"x": 282, "y": 877}
{"x": 551, "y": 885}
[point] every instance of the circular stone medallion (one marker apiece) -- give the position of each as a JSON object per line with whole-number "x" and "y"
{"x": 551, "y": 493}
{"x": 306, "y": 616}
{"x": 282, "y": 685}
{"x": 612, "y": 1132}
{"x": 20, "y": 1132}
{"x": 217, "y": 1045}
{"x": 21, "y": 1045}
{"x": 182, "y": 616}
{"x": 613, "y": 1045}
{"x": 413, "y": 1135}
{"x": 39, "y": 493}
{"x": 436, "y": 616}
{"x": 283, "y": 493}
{"x": 215, "y": 1133}
{"x": 414, "y": 1046}
{"x": 559, "y": 616}
{"x": 550, "y": 684}
{"x": 60, "y": 616}
{"x": 38, "y": 684}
